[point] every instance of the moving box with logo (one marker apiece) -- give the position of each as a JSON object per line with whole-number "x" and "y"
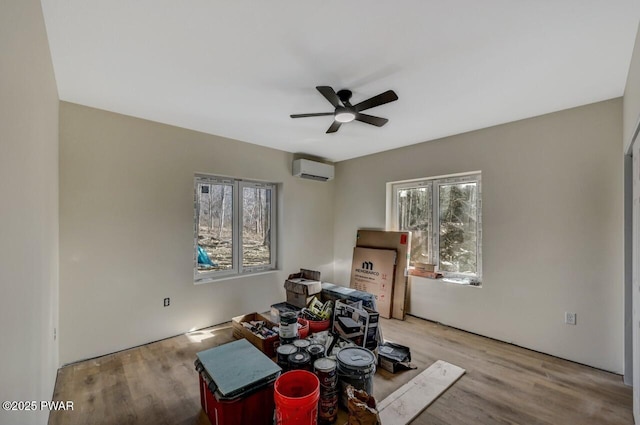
{"x": 372, "y": 271}
{"x": 401, "y": 243}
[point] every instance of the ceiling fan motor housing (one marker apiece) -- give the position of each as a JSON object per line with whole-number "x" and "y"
{"x": 344, "y": 95}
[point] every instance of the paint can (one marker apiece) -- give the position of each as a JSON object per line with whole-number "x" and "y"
{"x": 356, "y": 367}
{"x": 288, "y": 327}
{"x": 325, "y": 370}
{"x": 316, "y": 351}
{"x": 300, "y": 360}
{"x": 328, "y": 407}
{"x": 302, "y": 344}
{"x": 282, "y": 353}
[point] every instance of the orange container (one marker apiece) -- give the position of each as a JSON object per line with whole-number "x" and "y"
{"x": 318, "y": 325}
{"x": 303, "y": 331}
{"x": 296, "y": 395}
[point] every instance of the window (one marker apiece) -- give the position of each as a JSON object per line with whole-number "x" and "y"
{"x": 445, "y": 220}
{"x": 234, "y": 227}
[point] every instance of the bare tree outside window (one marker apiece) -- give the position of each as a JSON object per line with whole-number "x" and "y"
{"x": 414, "y": 214}
{"x": 215, "y": 225}
{"x": 256, "y": 229}
{"x": 443, "y": 215}
{"x": 458, "y": 227}
{"x": 234, "y": 227}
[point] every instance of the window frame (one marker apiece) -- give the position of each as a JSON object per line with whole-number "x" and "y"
{"x": 434, "y": 223}
{"x": 237, "y": 211}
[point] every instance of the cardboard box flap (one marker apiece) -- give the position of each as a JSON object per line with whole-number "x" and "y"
{"x": 306, "y": 274}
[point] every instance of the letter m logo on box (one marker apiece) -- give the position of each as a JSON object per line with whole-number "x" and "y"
{"x": 367, "y": 265}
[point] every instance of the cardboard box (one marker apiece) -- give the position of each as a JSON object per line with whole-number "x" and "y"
{"x": 425, "y": 267}
{"x": 267, "y": 345}
{"x": 372, "y": 271}
{"x": 423, "y": 273}
{"x": 401, "y": 242}
{"x": 359, "y": 325}
{"x": 303, "y": 286}
{"x": 298, "y": 300}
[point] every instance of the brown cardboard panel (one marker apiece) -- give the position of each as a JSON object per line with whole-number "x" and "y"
{"x": 298, "y": 300}
{"x": 372, "y": 271}
{"x": 401, "y": 242}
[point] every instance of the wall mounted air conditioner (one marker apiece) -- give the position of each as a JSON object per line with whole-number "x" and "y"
{"x": 313, "y": 170}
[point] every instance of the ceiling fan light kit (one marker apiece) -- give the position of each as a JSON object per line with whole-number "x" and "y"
{"x": 346, "y": 112}
{"x": 344, "y": 115}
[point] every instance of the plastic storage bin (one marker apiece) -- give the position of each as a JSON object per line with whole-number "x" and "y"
{"x": 236, "y": 384}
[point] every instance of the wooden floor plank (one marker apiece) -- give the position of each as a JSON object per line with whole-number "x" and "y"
{"x": 403, "y": 405}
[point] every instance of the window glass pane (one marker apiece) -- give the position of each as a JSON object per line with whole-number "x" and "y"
{"x": 256, "y": 226}
{"x": 215, "y": 224}
{"x": 458, "y": 227}
{"x": 414, "y": 214}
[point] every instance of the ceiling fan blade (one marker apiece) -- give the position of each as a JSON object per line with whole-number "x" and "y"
{"x": 334, "y": 127}
{"x": 319, "y": 114}
{"x": 330, "y": 95}
{"x": 370, "y": 119}
{"x": 381, "y": 99}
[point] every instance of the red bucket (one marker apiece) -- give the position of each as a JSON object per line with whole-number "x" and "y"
{"x": 296, "y": 394}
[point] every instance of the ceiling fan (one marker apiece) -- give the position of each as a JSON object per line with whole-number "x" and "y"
{"x": 348, "y": 112}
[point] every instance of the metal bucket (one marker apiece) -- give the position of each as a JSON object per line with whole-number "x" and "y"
{"x": 356, "y": 367}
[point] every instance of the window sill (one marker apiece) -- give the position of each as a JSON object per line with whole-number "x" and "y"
{"x": 232, "y": 277}
{"x": 461, "y": 282}
{"x": 449, "y": 281}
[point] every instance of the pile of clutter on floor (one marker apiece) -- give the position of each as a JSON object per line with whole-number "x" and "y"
{"x": 326, "y": 345}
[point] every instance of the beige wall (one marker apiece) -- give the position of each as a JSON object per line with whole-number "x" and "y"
{"x": 29, "y": 210}
{"x": 631, "y": 112}
{"x": 126, "y": 230}
{"x": 552, "y": 229}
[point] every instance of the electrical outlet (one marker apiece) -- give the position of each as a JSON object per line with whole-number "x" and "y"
{"x": 570, "y": 318}
{"x": 167, "y": 301}
{"x": 55, "y": 333}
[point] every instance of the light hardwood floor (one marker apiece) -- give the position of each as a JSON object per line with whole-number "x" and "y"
{"x": 504, "y": 384}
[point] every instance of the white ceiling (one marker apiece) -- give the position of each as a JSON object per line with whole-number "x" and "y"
{"x": 239, "y": 68}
